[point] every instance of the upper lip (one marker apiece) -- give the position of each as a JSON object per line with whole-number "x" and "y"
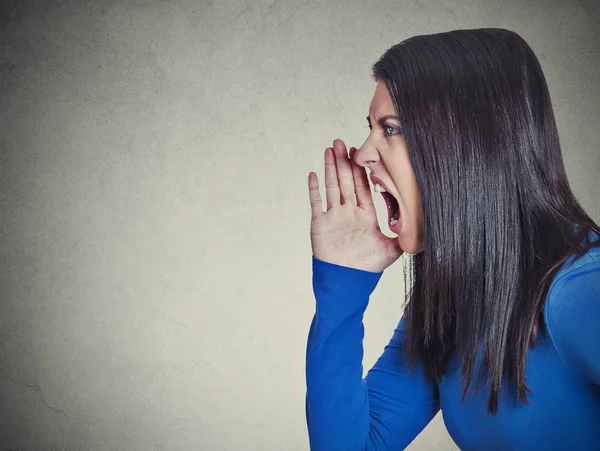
{"x": 376, "y": 180}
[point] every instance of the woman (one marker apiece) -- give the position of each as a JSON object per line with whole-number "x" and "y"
{"x": 502, "y": 326}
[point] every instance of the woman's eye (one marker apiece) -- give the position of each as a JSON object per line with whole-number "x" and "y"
{"x": 389, "y": 130}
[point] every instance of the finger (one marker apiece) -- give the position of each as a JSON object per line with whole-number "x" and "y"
{"x": 316, "y": 205}
{"x": 344, "y": 171}
{"x": 332, "y": 189}
{"x": 364, "y": 198}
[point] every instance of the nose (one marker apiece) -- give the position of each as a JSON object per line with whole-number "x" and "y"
{"x": 366, "y": 155}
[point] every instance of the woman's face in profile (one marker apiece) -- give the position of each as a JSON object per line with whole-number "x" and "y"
{"x": 384, "y": 153}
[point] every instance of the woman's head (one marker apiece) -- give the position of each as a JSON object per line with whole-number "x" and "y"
{"x": 472, "y": 109}
{"x": 479, "y": 177}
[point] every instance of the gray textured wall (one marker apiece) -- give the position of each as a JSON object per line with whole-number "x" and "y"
{"x": 155, "y": 279}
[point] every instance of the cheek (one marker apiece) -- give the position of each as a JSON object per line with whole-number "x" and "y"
{"x": 409, "y": 194}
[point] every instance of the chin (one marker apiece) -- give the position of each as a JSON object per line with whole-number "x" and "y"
{"x": 410, "y": 247}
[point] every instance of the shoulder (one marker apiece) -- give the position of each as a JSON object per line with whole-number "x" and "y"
{"x": 572, "y": 314}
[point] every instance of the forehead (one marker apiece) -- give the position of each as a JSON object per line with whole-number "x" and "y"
{"x": 381, "y": 104}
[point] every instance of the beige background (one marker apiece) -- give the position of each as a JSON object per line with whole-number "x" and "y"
{"x": 155, "y": 272}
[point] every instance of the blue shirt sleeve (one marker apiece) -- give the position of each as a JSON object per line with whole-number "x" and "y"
{"x": 573, "y": 319}
{"x": 389, "y": 407}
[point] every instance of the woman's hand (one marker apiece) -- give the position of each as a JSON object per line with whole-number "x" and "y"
{"x": 348, "y": 234}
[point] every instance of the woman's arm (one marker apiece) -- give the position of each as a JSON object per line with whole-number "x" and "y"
{"x": 389, "y": 407}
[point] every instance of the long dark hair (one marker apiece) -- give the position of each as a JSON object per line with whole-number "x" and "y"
{"x": 500, "y": 216}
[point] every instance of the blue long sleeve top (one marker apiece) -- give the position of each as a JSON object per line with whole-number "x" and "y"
{"x": 389, "y": 407}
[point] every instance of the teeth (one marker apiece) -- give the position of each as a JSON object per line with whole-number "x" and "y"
{"x": 394, "y": 219}
{"x": 379, "y": 188}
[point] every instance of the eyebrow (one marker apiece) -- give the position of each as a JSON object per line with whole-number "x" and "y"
{"x": 383, "y": 119}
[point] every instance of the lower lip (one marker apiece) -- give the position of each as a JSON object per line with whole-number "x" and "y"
{"x": 397, "y": 227}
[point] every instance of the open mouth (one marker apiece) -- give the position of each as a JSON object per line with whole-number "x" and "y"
{"x": 391, "y": 203}
{"x": 392, "y": 207}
